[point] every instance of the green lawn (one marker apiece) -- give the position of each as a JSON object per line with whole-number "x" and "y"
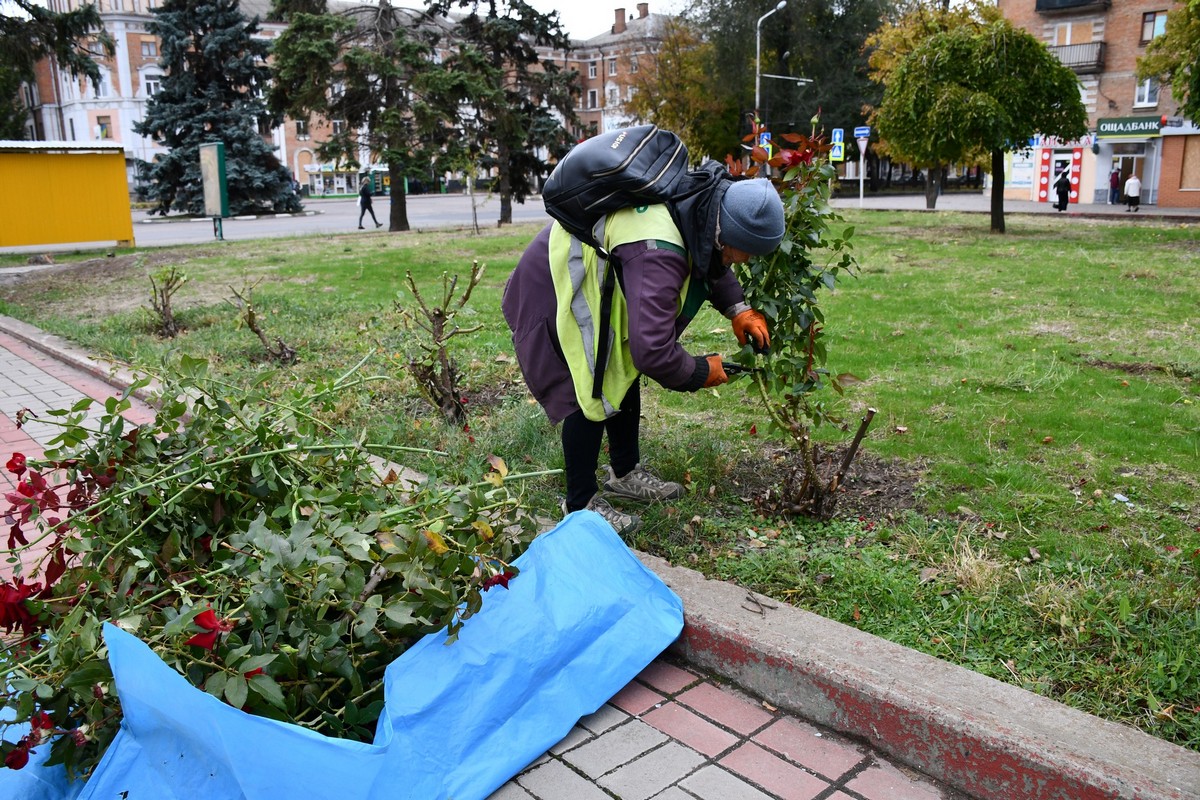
{"x": 1026, "y": 503}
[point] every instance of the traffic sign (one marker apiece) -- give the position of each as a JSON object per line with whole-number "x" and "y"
{"x": 862, "y": 132}
{"x": 862, "y": 143}
{"x": 764, "y": 141}
{"x": 836, "y": 135}
{"x": 837, "y": 151}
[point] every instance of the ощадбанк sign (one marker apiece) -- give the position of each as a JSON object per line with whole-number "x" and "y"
{"x": 1128, "y": 126}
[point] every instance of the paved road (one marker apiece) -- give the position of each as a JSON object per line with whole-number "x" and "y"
{"x": 335, "y": 216}
{"x": 455, "y": 210}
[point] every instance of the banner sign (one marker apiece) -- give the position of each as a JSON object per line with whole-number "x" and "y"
{"x": 1112, "y": 127}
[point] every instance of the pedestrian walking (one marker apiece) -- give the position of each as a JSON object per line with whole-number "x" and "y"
{"x": 666, "y": 272}
{"x": 1133, "y": 193}
{"x": 1114, "y": 187}
{"x": 364, "y": 202}
{"x": 1062, "y": 187}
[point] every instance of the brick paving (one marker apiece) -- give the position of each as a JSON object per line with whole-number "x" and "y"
{"x": 33, "y": 383}
{"x": 675, "y": 733}
{"x": 671, "y": 734}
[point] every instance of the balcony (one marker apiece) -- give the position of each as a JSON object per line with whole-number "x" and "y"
{"x": 1068, "y": 6}
{"x": 1084, "y": 58}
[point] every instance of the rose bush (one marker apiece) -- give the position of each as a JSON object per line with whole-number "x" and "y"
{"x": 274, "y": 563}
{"x": 784, "y": 286}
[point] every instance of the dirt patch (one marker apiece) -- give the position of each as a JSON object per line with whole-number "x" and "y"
{"x": 873, "y": 488}
{"x": 113, "y": 285}
{"x": 1140, "y": 367}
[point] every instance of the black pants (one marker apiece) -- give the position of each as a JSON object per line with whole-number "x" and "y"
{"x": 581, "y": 440}
{"x": 367, "y": 210}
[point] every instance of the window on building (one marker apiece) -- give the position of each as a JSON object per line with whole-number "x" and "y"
{"x": 301, "y": 129}
{"x": 339, "y": 127}
{"x": 592, "y": 69}
{"x": 32, "y": 100}
{"x": 1189, "y": 175}
{"x": 71, "y": 124}
{"x": 153, "y": 86}
{"x": 633, "y": 64}
{"x": 612, "y": 96}
{"x": 117, "y": 5}
{"x": 96, "y": 47}
{"x": 592, "y": 98}
{"x": 103, "y": 88}
{"x": 612, "y": 66}
{"x": 265, "y": 128}
{"x": 150, "y": 49}
{"x": 1154, "y": 23}
{"x": 1146, "y": 94}
{"x": 103, "y": 127}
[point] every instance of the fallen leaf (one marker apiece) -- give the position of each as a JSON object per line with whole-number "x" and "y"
{"x": 901, "y": 429}
{"x": 497, "y": 463}
{"x": 1047, "y": 440}
{"x": 857, "y": 615}
{"x": 928, "y": 574}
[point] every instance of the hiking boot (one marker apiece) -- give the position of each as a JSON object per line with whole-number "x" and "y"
{"x": 641, "y": 484}
{"x": 624, "y": 524}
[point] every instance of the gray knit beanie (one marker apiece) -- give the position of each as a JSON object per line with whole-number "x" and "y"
{"x": 752, "y": 217}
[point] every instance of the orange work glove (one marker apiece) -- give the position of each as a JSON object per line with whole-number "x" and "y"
{"x": 753, "y": 324}
{"x": 716, "y": 372}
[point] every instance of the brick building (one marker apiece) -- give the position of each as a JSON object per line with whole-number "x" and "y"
{"x": 606, "y": 64}
{"x": 65, "y": 108}
{"x": 1101, "y": 41}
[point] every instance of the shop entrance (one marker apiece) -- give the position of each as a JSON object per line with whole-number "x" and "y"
{"x": 1130, "y": 159}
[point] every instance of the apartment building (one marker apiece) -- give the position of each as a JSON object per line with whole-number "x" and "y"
{"x": 608, "y": 64}
{"x": 1133, "y": 125}
{"x": 72, "y": 109}
{"x": 65, "y": 108}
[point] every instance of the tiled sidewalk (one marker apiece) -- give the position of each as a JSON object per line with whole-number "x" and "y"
{"x": 32, "y": 380}
{"x": 673, "y": 734}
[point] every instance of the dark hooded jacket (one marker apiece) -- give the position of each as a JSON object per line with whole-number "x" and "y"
{"x": 651, "y": 279}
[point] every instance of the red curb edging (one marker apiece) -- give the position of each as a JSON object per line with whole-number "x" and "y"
{"x": 983, "y": 737}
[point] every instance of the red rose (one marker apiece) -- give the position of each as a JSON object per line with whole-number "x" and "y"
{"x": 213, "y": 627}
{"x": 16, "y": 464}
{"x": 18, "y": 757}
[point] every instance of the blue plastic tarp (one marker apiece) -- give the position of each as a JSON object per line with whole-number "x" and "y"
{"x": 582, "y": 619}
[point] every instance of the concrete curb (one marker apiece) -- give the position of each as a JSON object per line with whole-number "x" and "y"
{"x": 986, "y": 738}
{"x": 113, "y": 374}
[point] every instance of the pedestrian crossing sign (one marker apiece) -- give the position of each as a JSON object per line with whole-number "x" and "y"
{"x": 837, "y": 151}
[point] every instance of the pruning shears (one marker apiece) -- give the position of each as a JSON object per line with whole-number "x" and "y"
{"x": 732, "y": 369}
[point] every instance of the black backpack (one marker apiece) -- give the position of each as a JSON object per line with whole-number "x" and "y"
{"x": 624, "y": 168}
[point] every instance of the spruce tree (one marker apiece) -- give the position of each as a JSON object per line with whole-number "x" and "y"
{"x": 215, "y": 76}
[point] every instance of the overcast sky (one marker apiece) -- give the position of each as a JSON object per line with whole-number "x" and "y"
{"x": 583, "y": 19}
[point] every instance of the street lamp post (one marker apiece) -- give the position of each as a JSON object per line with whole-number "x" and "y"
{"x": 758, "y": 52}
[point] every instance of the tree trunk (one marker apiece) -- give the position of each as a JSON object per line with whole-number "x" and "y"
{"x": 997, "y": 191}
{"x": 933, "y": 182}
{"x": 398, "y": 216}
{"x": 505, "y": 181}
